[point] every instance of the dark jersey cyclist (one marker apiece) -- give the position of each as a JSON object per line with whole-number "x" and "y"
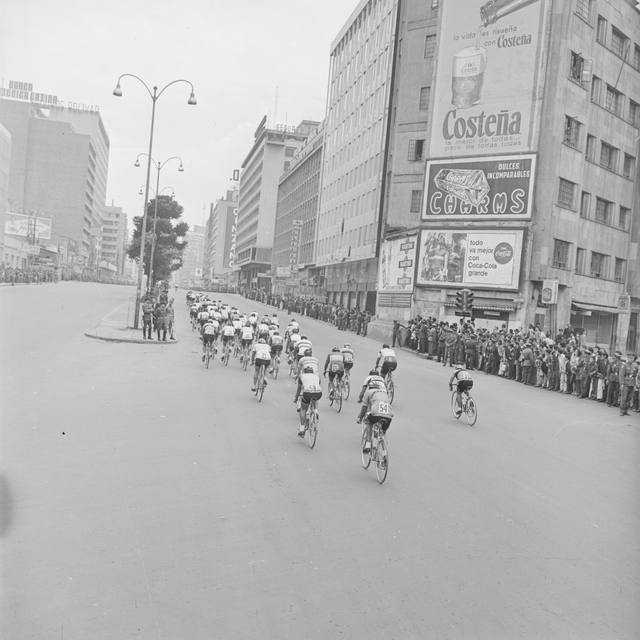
{"x": 463, "y": 381}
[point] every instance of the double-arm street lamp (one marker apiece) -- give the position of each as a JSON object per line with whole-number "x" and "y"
{"x": 159, "y": 166}
{"x": 154, "y": 98}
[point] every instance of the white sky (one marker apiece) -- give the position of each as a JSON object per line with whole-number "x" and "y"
{"x": 235, "y": 52}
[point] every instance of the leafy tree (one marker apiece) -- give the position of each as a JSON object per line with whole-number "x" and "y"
{"x": 170, "y": 233}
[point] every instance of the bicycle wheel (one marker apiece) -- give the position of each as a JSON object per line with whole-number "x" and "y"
{"x": 338, "y": 397}
{"x": 472, "y": 411}
{"x": 258, "y": 385}
{"x": 382, "y": 459}
{"x": 346, "y": 386}
{"x": 391, "y": 389}
{"x": 366, "y": 457}
{"x": 226, "y": 354}
{"x": 207, "y": 358}
{"x": 275, "y": 370}
{"x": 245, "y": 360}
{"x": 312, "y": 424}
{"x": 455, "y": 407}
{"x": 332, "y": 395}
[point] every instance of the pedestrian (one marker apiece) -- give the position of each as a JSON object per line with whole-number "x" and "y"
{"x": 613, "y": 379}
{"x": 169, "y": 318}
{"x": 147, "y": 315}
{"x": 161, "y": 326}
{"x": 627, "y": 381}
{"x": 528, "y": 360}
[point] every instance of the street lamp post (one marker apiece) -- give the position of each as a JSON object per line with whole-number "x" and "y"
{"x": 159, "y": 167}
{"x": 154, "y": 98}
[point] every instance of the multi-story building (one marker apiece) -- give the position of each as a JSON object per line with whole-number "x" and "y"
{"x": 219, "y": 240}
{"x": 357, "y": 120}
{"x": 71, "y": 193}
{"x": 512, "y": 166}
{"x": 190, "y": 273}
{"x": 269, "y": 157}
{"x": 294, "y": 244}
{"x": 114, "y": 239}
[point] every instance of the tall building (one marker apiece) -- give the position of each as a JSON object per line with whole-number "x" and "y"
{"x": 58, "y": 170}
{"x": 512, "y": 166}
{"x": 357, "y": 120}
{"x": 294, "y": 244}
{"x": 190, "y": 273}
{"x": 269, "y": 157}
{"x": 219, "y": 240}
{"x": 114, "y": 239}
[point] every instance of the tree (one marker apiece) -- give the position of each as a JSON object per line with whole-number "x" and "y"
{"x": 170, "y": 233}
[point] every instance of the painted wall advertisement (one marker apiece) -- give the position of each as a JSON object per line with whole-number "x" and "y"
{"x": 470, "y": 258}
{"x": 17, "y": 224}
{"x": 488, "y": 54}
{"x": 229, "y": 237}
{"x": 496, "y": 188}
{"x": 397, "y": 265}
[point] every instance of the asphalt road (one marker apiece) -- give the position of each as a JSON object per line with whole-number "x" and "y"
{"x": 143, "y": 496}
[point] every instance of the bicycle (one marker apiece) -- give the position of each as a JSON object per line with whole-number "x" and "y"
{"x": 245, "y": 357}
{"x": 468, "y": 407}
{"x": 378, "y": 451}
{"x": 292, "y": 366}
{"x": 194, "y": 323}
{"x": 208, "y": 354}
{"x": 276, "y": 367}
{"x": 346, "y": 384}
{"x": 261, "y": 383}
{"x": 391, "y": 387}
{"x": 311, "y": 423}
{"x": 335, "y": 393}
{"x": 236, "y": 347}
{"x": 226, "y": 353}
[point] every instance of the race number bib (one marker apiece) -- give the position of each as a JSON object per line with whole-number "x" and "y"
{"x": 335, "y": 367}
{"x": 312, "y": 388}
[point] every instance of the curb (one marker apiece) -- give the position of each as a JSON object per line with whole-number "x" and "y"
{"x": 129, "y": 340}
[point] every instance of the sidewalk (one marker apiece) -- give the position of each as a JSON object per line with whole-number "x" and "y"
{"x": 113, "y": 328}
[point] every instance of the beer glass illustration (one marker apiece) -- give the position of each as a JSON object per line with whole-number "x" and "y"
{"x": 468, "y": 76}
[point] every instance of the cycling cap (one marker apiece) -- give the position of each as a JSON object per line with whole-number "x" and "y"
{"x": 308, "y": 369}
{"x": 347, "y": 345}
{"x": 373, "y": 372}
{"x": 304, "y": 338}
{"x": 335, "y": 350}
{"x": 307, "y": 352}
{"x": 262, "y": 341}
{"x": 386, "y": 346}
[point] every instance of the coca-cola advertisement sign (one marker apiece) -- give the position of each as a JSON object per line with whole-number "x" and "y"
{"x": 480, "y": 258}
{"x": 488, "y": 74}
{"x": 495, "y": 188}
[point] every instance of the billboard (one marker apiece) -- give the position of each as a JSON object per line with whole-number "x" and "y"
{"x": 487, "y": 71}
{"x": 495, "y": 188}
{"x": 17, "y": 224}
{"x": 488, "y": 258}
{"x": 229, "y": 237}
{"x": 397, "y": 265}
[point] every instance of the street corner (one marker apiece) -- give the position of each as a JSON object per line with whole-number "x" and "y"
{"x": 125, "y": 335}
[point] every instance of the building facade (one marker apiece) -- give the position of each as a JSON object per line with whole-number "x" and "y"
{"x": 114, "y": 239}
{"x": 190, "y": 273}
{"x": 511, "y": 166}
{"x": 219, "y": 240}
{"x": 270, "y": 155}
{"x": 357, "y": 120}
{"x": 294, "y": 245}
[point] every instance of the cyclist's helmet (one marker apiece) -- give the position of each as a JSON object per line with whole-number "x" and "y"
{"x": 386, "y": 346}
{"x": 303, "y": 338}
{"x": 308, "y": 369}
{"x": 262, "y": 341}
{"x": 347, "y": 345}
{"x": 335, "y": 350}
{"x": 458, "y": 366}
{"x": 373, "y": 372}
{"x": 308, "y": 352}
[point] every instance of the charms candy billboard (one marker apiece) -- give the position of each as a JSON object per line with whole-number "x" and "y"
{"x": 488, "y": 259}
{"x": 487, "y": 74}
{"x": 496, "y": 188}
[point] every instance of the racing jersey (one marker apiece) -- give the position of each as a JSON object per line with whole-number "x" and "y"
{"x": 310, "y": 383}
{"x": 335, "y": 362}
{"x": 237, "y": 325}
{"x": 461, "y": 374}
{"x": 348, "y": 354}
{"x": 309, "y": 361}
{"x": 293, "y": 340}
{"x": 376, "y": 377}
{"x": 209, "y": 329}
{"x": 203, "y": 315}
{"x": 387, "y": 355}
{"x": 275, "y": 322}
{"x": 228, "y": 331}
{"x": 246, "y": 333}
{"x": 263, "y": 328}
{"x": 276, "y": 340}
{"x": 302, "y": 346}
{"x": 261, "y": 351}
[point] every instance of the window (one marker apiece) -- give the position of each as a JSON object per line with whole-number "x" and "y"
{"x": 601, "y": 34}
{"x": 603, "y": 210}
{"x": 585, "y": 204}
{"x": 636, "y": 57}
{"x": 416, "y": 200}
{"x": 434, "y": 4}
{"x": 596, "y": 85}
{"x": 566, "y": 193}
{"x": 620, "y": 270}
{"x": 590, "y": 151}
{"x": 571, "y": 132}
{"x": 425, "y": 93}
{"x": 623, "y": 218}
{"x": 286, "y": 166}
{"x": 429, "y": 46}
{"x": 580, "y": 260}
{"x": 575, "y": 71}
{"x": 618, "y": 43}
{"x": 612, "y": 100}
{"x": 416, "y": 148}
{"x": 583, "y": 10}
{"x": 561, "y": 253}
{"x": 608, "y": 156}
{"x": 633, "y": 117}
{"x": 629, "y": 167}
{"x": 597, "y": 268}
{"x": 289, "y": 151}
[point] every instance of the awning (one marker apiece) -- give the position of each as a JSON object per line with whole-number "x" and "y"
{"x": 485, "y": 307}
{"x": 583, "y": 306}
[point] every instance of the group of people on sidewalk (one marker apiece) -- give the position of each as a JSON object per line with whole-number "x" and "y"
{"x": 158, "y": 315}
{"x": 565, "y": 364}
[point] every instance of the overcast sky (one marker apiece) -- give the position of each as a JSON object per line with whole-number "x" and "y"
{"x": 235, "y": 52}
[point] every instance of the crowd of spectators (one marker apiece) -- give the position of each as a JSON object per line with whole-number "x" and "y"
{"x": 158, "y": 314}
{"x": 29, "y": 275}
{"x": 565, "y": 364}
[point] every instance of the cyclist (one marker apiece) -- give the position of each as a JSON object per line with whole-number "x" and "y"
{"x": 260, "y": 355}
{"x": 275, "y": 343}
{"x": 294, "y": 338}
{"x": 334, "y": 364}
{"x": 347, "y": 352}
{"x": 309, "y": 360}
{"x": 303, "y": 344}
{"x": 309, "y": 387}
{"x": 246, "y": 338}
{"x": 387, "y": 360}
{"x": 275, "y": 322}
{"x": 209, "y": 333}
{"x": 373, "y": 376}
{"x": 228, "y": 335}
{"x": 263, "y": 331}
{"x": 203, "y": 316}
{"x": 375, "y": 408}
{"x": 463, "y": 381}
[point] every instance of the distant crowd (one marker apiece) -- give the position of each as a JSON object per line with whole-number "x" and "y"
{"x": 565, "y": 364}
{"x": 158, "y": 315}
{"x": 29, "y": 275}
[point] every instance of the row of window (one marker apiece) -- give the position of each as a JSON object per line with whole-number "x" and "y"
{"x": 599, "y": 265}
{"x": 604, "y": 211}
{"x": 609, "y": 156}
